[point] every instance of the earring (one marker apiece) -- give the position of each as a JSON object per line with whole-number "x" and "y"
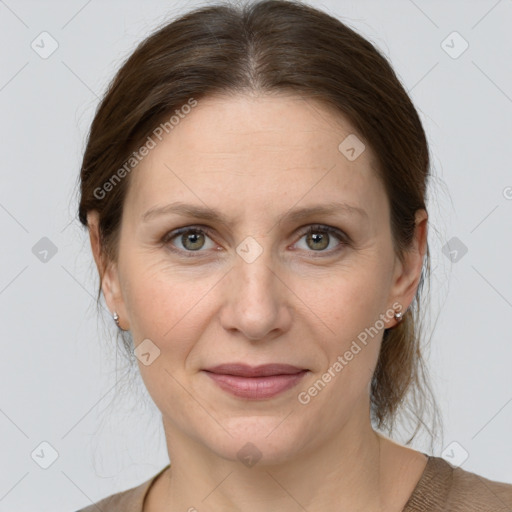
{"x": 115, "y": 316}
{"x": 399, "y": 316}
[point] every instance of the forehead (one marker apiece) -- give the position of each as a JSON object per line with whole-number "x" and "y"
{"x": 263, "y": 152}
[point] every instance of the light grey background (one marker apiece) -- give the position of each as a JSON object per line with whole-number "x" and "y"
{"x": 59, "y": 366}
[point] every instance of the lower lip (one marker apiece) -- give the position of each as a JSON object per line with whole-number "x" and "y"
{"x": 256, "y": 388}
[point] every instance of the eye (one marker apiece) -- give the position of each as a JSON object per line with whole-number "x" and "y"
{"x": 193, "y": 238}
{"x": 319, "y": 237}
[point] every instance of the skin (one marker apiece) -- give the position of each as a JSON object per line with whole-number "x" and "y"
{"x": 253, "y": 158}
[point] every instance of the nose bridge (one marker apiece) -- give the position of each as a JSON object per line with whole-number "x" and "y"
{"x": 254, "y": 305}
{"x": 254, "y": 269}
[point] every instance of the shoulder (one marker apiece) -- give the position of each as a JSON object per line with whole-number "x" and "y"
{"x": 130, "y": 500}
{"x": 480, "y": 492}
{"x": 445, "y": 487}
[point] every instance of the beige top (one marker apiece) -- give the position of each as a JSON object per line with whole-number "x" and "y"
{"x": 441, "y": 488}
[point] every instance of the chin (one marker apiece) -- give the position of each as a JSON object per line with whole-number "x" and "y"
{"x": 258, "y": 440}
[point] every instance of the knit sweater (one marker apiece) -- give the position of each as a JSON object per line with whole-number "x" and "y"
{"x": 441, "y": 488}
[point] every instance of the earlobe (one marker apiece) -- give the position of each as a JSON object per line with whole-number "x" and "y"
{"x": 113, "y": 297}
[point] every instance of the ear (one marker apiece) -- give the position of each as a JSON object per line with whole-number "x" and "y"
{"x": 107, "y": 270}
{"x": 407, "y": 274}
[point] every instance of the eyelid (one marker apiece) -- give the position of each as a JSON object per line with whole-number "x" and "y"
{"x": 342, "y": 237}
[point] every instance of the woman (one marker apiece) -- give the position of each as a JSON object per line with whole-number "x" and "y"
{"x": 254, "y": 188}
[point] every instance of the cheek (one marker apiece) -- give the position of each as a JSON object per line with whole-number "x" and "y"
{"x": 350, "y": 300}
{"x": 351, "y": 352}
{"x": 171, "y": 312}
{"x": 351, "y": 306}
{"x": 165, "y": 305}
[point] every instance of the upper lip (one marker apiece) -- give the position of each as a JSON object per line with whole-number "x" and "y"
{"x": 244, "y": 370}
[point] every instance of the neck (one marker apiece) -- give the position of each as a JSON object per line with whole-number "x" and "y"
{"x": 344, "y": 472}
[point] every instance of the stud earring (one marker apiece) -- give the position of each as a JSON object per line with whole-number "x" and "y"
{"x": 115, "y": 316}
{"x": 399, "y": 316}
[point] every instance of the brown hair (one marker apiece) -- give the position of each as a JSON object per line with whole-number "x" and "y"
{"x": 276, "y": 46}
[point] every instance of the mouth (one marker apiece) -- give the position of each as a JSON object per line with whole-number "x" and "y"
{"x": 255, "y": 382}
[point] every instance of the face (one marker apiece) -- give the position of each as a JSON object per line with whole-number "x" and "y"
{"x": 273, "y": 278}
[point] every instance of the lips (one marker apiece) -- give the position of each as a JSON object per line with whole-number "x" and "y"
{"x": 243, "y": 370}
{"x": 255, "y": 382}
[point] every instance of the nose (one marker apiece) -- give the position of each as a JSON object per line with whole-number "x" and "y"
{"x": 257, "y": 300}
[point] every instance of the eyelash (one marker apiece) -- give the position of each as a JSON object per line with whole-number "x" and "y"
{"x": 315, "y": 228}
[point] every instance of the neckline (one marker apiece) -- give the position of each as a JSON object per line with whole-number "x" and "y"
{"x": 146, "y": 487}
{"x": 433, "y": 486}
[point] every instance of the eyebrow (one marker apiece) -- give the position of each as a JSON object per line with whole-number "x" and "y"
{"x": 294, "y": 215}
